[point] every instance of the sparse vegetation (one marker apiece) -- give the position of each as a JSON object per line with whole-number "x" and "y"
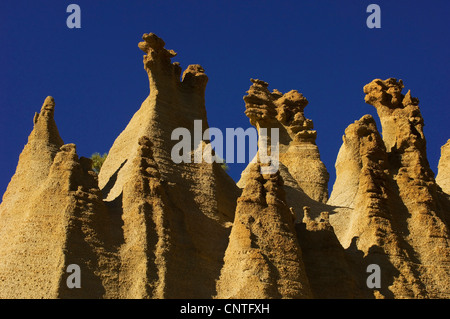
{"x": 225, "y": 166}
{"x": 97, "y": 161}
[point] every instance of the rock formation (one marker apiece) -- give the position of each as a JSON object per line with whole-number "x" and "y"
{"x": 429, "y": 232}
{"x": 443, "y": 177}
{"x": 367, "y": 216}
{"x": 150, "y": 227}
{"x": 389, "y": 205}
{"x": 263, "y": 258}
{"x": 298, "y": 151}
{"x": 201, "y": 195}
{"x": 52, "y": 216}
{"x": 330, "y": 271}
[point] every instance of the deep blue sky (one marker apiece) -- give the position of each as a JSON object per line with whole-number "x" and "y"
{"x": 321, "y": 48}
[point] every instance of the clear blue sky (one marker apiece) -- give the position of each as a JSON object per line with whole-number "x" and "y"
{"x": 321, "y": 48}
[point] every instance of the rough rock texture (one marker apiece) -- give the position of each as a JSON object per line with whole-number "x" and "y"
{"x": 298, "y": 152}
{"x": 367, "y": 218}
{"x": 201, "y": 195}
{"x": 147, "y": 227}
{"x": 389, "y": 205}
{"x": 52, "y": 216}
{"x": 331, "y": 273}
{"x": 263, "y": 258}
{"x": 443, "y": 176}
{"x": 428, "y": 223}
{"x": 36, "y": 157}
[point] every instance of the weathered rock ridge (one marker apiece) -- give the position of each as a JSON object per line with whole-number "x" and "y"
{"x": 147, "y": 227}
{"x": 263, "y": 258}
{"x": 299, "y": 153}
{"x": 443, "y": 176}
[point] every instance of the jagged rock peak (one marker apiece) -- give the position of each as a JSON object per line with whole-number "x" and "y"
{"x": 361, "y": 169}
{"x": 270, "y": 109}
{"x": 389, "y": 93}
{"x": 401, "y": 120}
{"x": 298, "y": 151}
{"x": 37, "y": 156}
{"x": 47, "y": 109}
{"x": 157, "y": 63}
{"x": 50, "y": 225}
{"x": 263, "y": 258}
{"x": 44, "y": 123}
{"x": 385, "y": 189}
{"x": 153, "y": 46}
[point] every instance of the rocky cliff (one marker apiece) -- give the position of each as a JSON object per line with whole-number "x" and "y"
{"x": 150, "y": 227}
{"x": 443, "y": 176}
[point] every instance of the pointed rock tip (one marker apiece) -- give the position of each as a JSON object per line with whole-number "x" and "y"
{"x": 49, "y": 100}
{"x": 409, "y": 100}
{"x": 49, "y": 104}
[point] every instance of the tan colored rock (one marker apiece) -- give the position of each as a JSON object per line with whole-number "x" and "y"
{"x": 36, "y": 157}
{"x": 144, "y": 264}
{"x": 263, "y": 258}
{"x": 428, "y": 227}
{"x": 298, "y": 151}
{"x": 159, "y": 229}
{"x": 57, "y": 223}
{"x": 443, "y": 176}
{"x": 201, "y": 195}
{"x": 369, "y": 223}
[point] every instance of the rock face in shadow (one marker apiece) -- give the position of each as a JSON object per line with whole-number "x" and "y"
{"x": 331, "y": 272}
{"x": 152, "y": 226}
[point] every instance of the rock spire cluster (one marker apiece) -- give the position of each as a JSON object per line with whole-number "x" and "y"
{"x": 146, "y": 227}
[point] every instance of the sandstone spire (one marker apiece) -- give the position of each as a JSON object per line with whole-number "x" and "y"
{"x": 298, "y": 151}
{"x": 37, "y": 155}
{"x": 263, "y": 258}
{"x": 368, "y": 221}
{"x": 390, "y": 204}
{"x": 50, "y": 218}
{"x": 150, "y": 227}
{"x": 429, "y": 232}
{"x": 32, "y": 170}
{"x": 144, "y": 263}
{"x": 201, "y": 195}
